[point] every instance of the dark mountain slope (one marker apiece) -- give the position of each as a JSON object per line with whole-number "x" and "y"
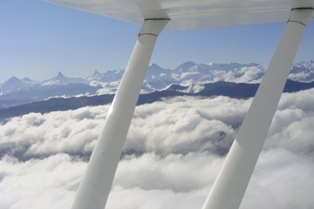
{"x": 233, "y": 90}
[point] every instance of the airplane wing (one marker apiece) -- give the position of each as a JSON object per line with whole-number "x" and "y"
{"x": 191, "y": 14}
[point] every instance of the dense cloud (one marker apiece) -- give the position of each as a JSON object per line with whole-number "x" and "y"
{"x": 250, "y": 74}
{"x": 39, "y": 183}
{"x": 172, "y": 155}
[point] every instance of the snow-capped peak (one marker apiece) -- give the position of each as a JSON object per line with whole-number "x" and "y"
{"x": 186, "y": 65}
{"x": 60, "y": 79}
{"x": 96, "y": 74}
{"x": 59, "y": 75}
{"x": 13, "y": 79}
{"x": 12, "y": 84}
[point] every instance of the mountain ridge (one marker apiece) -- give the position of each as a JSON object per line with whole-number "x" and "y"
{"x": 16, "y": 91}
{"x": 221, "y": 88}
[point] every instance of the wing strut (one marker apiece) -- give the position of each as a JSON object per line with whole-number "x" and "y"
{"x": 231, "y": 183}
{"x": 95, "y": 186}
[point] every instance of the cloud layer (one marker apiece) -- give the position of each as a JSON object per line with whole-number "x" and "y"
{"x": 172, "y": 155}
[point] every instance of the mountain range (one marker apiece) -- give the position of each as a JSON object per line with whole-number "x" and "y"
{"x": 187, "y": 78}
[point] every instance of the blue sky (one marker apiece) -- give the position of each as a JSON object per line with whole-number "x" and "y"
{"x": 38, "y": 39}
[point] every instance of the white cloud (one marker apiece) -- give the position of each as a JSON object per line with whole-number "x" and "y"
{"x": 252, "y": 74}
{"x": 292, "y": 126}
{"x": 173, "y": 153}
{"x": 281, "y": 180}
{"x": 34, "y": 134}
{"x": 175, "y": 172}
{"x": 137, "y": 198}
{"x": 303, "y": 76}
{"x": 39, "y": 183}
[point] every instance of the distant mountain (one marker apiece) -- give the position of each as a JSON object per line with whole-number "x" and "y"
{"x": 60, "y": 79}
{"x": 16, "y": 91}
{"x": 15, "y": 84}
{"x": 233, "y": 90}
{"x": 40, "y": 93}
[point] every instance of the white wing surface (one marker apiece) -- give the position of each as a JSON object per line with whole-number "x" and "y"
{"x": 192, "y": 14}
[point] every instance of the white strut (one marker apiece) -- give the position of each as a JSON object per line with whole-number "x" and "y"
{"x": 96, "y": 184}
{"x": 231, "y": 183}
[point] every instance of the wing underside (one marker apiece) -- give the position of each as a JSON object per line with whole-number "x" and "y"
{"x": 187, "y": 14}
